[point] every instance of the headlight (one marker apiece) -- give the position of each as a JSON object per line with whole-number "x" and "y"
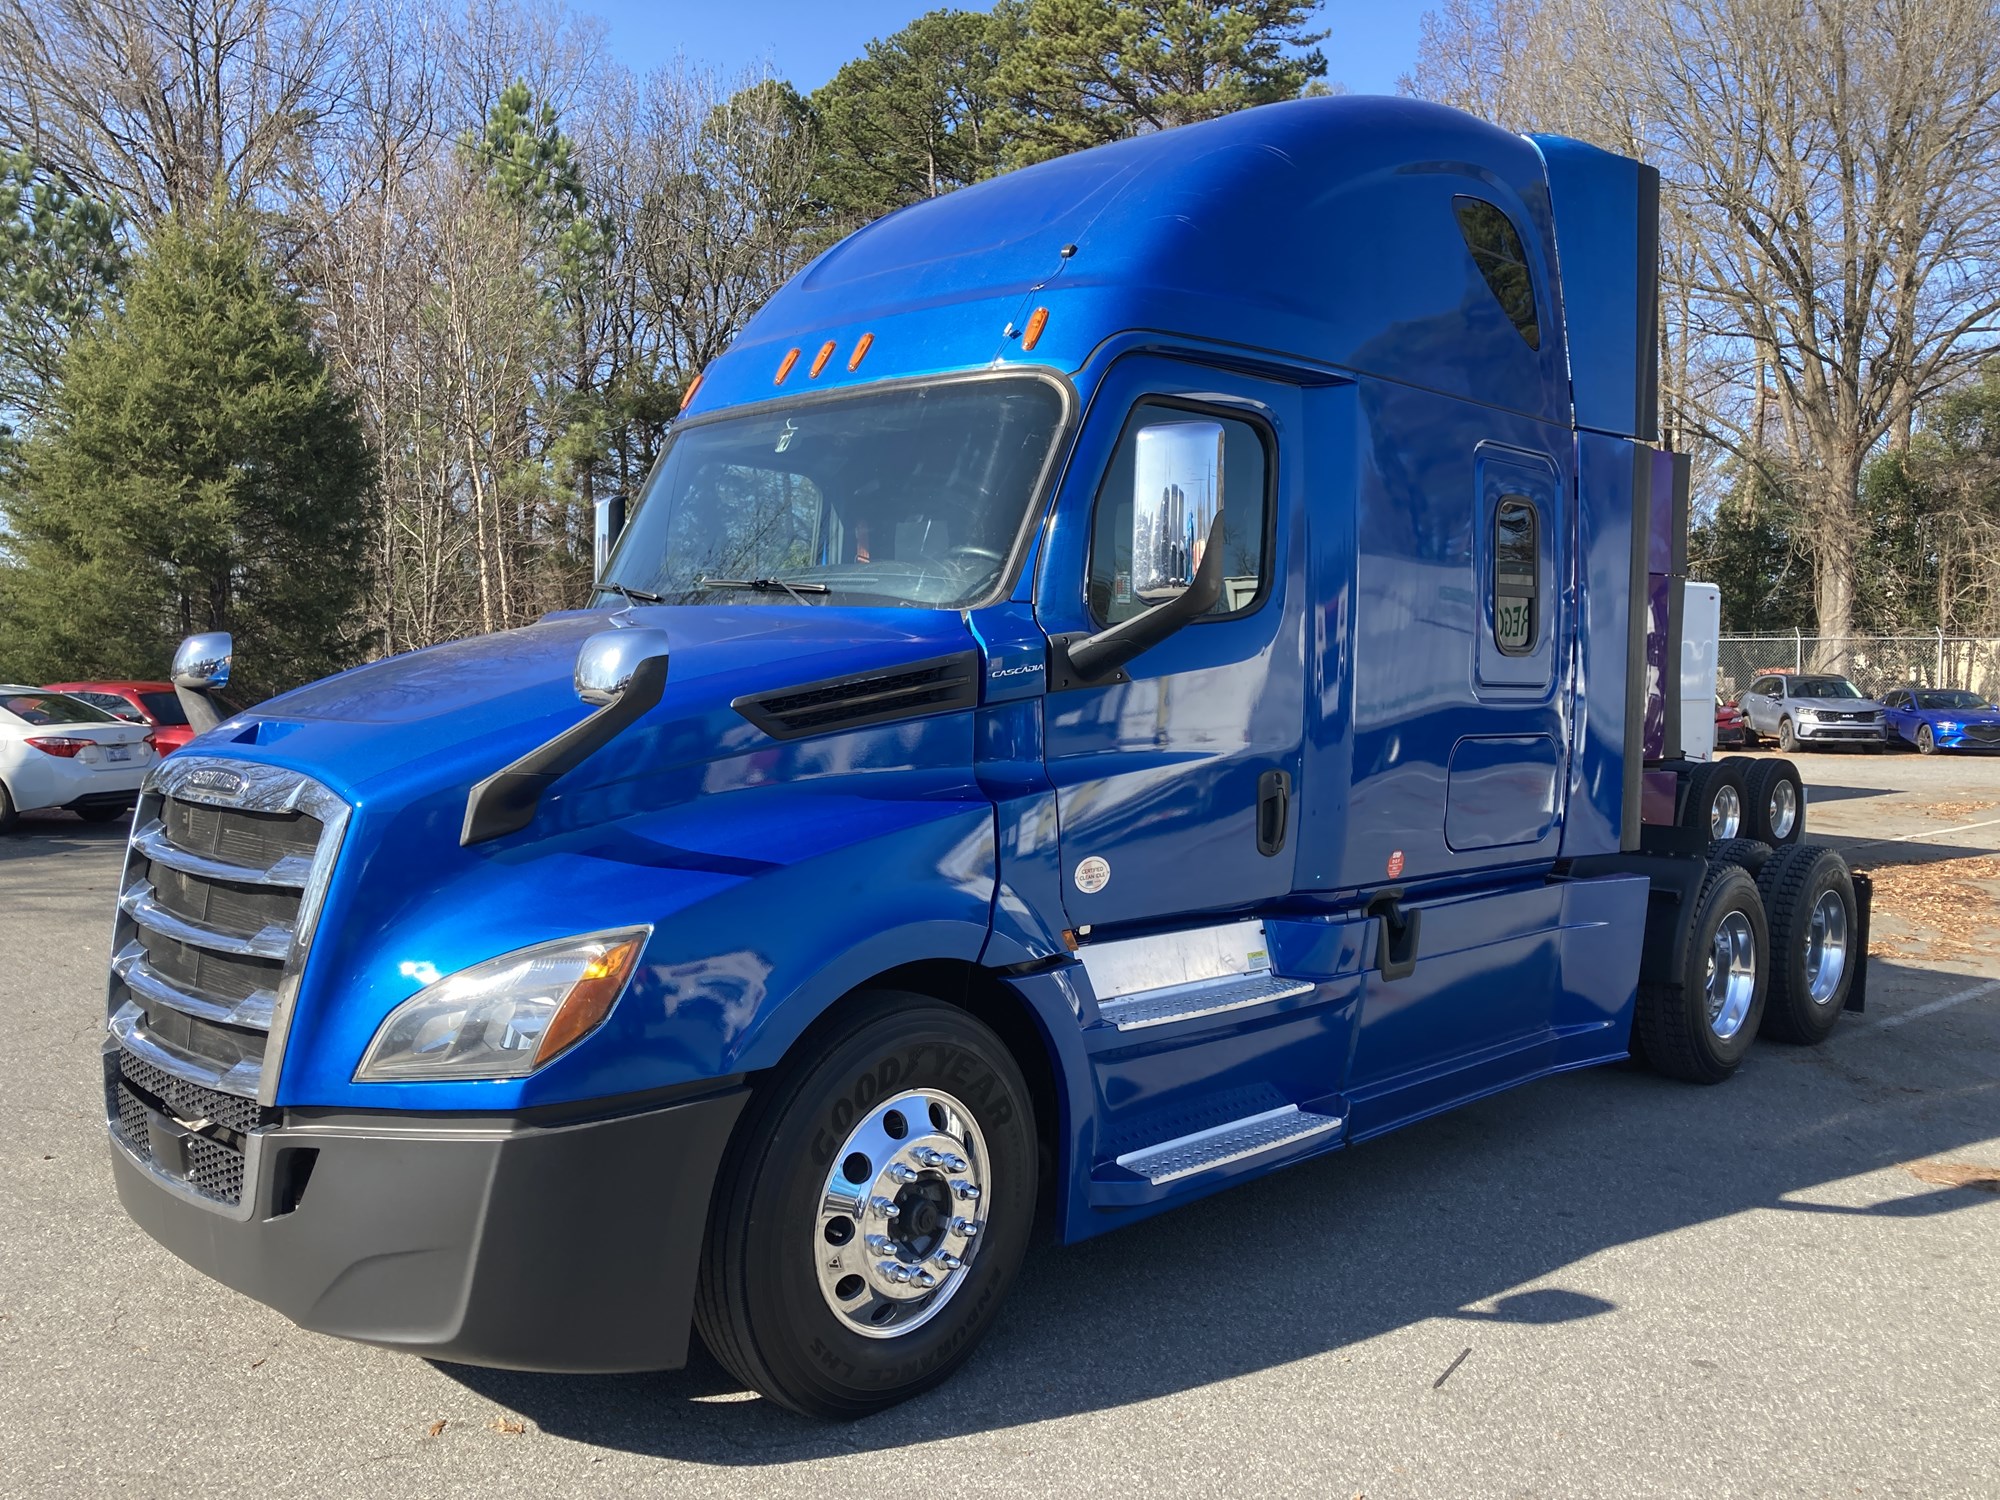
{"x": 1808, "y": 713}
{"x": 1950, "y": 726}
{"x": 506, "y": 1017}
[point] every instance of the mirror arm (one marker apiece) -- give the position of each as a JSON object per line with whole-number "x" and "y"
{"x": 1097, "y": 657}
{"x": 203, "y": 714}
{"x": 505, "y": 802}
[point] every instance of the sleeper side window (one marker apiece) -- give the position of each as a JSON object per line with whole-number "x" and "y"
{"x": 1516, "y": 577}
{"x": 1496, "y": 249}
{"x": 1189, "y": 461}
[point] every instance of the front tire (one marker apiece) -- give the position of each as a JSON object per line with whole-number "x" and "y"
{"x": 872, "y": 1211}
{"x": 1700, "y": 1028}
{"x": 1809, "y": 902}
{"x": 1787, "y": 740}
{"x": 1926, "y": 740}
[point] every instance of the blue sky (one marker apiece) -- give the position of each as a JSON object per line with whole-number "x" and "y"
{"x": 1373, "y": 41}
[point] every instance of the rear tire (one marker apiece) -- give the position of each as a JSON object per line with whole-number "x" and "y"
{"x": 8, "y": 816}
{"x": 1745, "y": 854}
{"x": 788, "y": 1281}
{"x": 1774, "y": 803}
{"x": 1700, "y": 1028}
{"x": 1809, "y": 904}
{"x": 1714, "y": 801}
{"x": 102, "y": 814}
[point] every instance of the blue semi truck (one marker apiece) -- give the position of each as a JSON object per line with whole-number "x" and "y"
{"x": 1124, "y": 678}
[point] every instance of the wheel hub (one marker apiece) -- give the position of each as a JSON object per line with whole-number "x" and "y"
{"x": 899, "y": 1222}
{"x": 1732, "y": 975}
{"x": 1784, "y": 808}
{"x": 1826, "y": 947}
{"x": 1725, "y": 814}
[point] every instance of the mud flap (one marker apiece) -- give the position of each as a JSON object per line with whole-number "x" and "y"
{"x": 1864, "y": 900}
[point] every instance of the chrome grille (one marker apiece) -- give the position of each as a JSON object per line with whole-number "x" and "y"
{"x": 228, "y": 865}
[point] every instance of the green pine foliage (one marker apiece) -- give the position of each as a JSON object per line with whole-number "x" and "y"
{"x": 198, "y": 470}
{"x": 1081, "y": 73}
{"x": 60, "y": 260}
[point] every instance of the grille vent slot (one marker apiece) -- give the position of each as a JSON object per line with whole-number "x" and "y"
{"x": 926, "y": 687}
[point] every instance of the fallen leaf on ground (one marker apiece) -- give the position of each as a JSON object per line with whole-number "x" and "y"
{"x": 435, "y": 1428}
{"x": 511, "y": 1426}
{"x": 1942, "y": 897}
{"x": 259, "y": 1360}
{"x": 1955, "y": 1174}
{"x": 1958, "y": 809}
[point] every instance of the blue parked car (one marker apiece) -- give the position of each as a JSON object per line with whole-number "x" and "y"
{"x": 1935, "y": 719}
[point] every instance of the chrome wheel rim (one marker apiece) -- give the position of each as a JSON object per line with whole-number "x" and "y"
{"x": 1826, "y": 947}
{"x": 1925, "y": 739}
{"x": 1732, "y": 975}
{"x": 900, "y": 1218}
{"x": 1784, "y": 808}
{"x": 1725, "y": 813}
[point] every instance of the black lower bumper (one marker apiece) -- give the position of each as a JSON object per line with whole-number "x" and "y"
{"x": 569, "y": 1247}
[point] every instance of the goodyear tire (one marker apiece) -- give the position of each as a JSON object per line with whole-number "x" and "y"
{"x": 1714, "y": 801}
{"x": 1700, "y": 1028}
{"x": 812, "y": 1291}
{"x": 1810, "y": 906}
{"x": 1747, "y": 854}
{"x": 1774, "y": 803}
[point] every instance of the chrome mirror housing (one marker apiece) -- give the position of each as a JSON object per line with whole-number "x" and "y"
{"x": 1176, "y": 496}
{"x": 606, "y": 661}
{"x": 203, "y": 661}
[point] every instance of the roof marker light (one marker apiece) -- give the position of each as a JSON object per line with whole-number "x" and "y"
{"x": 820, "y": 359}
{"x": 785, "y": 367}
{"x": 1037, "y": 321}
{"x": 687, "y": 396}
{"x": 860, "y": 351}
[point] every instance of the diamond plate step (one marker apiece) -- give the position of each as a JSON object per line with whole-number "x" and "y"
{"x": 1205, "y": 997}
{"x": 1205, "y": 1149}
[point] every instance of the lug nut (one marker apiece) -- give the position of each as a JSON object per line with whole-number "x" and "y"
{"x": 881, "y": 1244}
{"x": 895, "y": 1270}
{"x": 947, "y": 1260}
{"x": 923, "y": 1279}
{"x": 966, "y": 1190}
{"x": 953, "y": 1164}
{"x": 886, "y": 1207}
{"x": 903, "y": 1173}
{"x": 965, "y": 1228}
{"x": 929, "y": 1156}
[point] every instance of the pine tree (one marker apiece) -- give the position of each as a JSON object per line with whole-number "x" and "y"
{"x": 1084, "y": 72}
{"x": 59, "y": 262}
{"x": 198, "y": 470}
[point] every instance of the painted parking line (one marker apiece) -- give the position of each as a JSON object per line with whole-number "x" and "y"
{"x": 1931, "y": 1007}
{"x": 1923, "y": 833}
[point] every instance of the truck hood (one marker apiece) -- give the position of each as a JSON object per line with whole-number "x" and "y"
{"x": 455, "y": 713}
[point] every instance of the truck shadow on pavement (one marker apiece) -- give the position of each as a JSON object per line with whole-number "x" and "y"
{"x": 1449, "y": 1219}
{"x": 39, "y": 835}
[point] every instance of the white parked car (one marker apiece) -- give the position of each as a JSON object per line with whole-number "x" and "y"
{"x": 58, "y": 752}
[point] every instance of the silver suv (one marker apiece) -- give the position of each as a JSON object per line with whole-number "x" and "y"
{"x": 1802, "y": 710}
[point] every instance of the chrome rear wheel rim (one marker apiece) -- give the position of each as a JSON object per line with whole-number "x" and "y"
{"x": 1826, "y": 947}
{"x": 1725, "y": 813}
{"x": 1732, "y": 975}
{"x": 901, "y": 1213}
{"x": 1784, "y": 808}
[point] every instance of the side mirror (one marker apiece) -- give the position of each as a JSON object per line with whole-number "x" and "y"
{"x": 1176, "y": 497}
{"x": 201, "y": 665}
{"x": 605, "y": 663}
{"x": 623, "y": 672}
{"x": 203, "y": 661}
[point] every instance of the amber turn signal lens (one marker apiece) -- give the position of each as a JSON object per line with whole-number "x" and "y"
{"x": 820, "y": 359}
{"x": 860, "y": 351}
{"x": 693, "y": 386}
{"x": 590, "y": 999}
{"x": 1037, "y": 321}
{"x": 785, "y": 367}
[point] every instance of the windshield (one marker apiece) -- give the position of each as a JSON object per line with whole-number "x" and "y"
{"x": 914, "y": 495}
{"x": 1824, "y": 687}
{"x": 1950, "y": 698}
{"x": 52, "y": 708}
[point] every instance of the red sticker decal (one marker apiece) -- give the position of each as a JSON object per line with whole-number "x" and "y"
{"x": 1395, "y": 864}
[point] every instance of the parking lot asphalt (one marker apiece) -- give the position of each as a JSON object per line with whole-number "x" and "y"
{"x": 1604, "y": 1284}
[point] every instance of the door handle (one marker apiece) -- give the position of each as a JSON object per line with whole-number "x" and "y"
{"x": 1274, "y": 804}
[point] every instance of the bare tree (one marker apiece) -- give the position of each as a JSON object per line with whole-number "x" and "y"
{"x": 1833, "y": 172}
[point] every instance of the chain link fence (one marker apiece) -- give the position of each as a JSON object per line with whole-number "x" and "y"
{"x": 1875, "y": 664}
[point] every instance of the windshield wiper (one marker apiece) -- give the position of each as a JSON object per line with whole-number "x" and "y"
{"x": 764, "y": 585}
{"x": 632, "y": 596}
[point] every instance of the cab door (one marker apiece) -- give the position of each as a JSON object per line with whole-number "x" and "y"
{"x": 1177, "y": 780}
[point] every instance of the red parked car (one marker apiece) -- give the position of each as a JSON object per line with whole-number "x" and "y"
{"x": 151, "y": 703}
{"x": 1730, "y": 728}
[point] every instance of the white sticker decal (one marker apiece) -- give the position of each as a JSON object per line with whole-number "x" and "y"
{"x": 1093, "y": 875}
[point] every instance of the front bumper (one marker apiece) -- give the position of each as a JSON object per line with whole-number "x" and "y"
{"x": 1978, "y": 737}
{"x": 1848, "y": 734}
{"x": 566, "y": 1246}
